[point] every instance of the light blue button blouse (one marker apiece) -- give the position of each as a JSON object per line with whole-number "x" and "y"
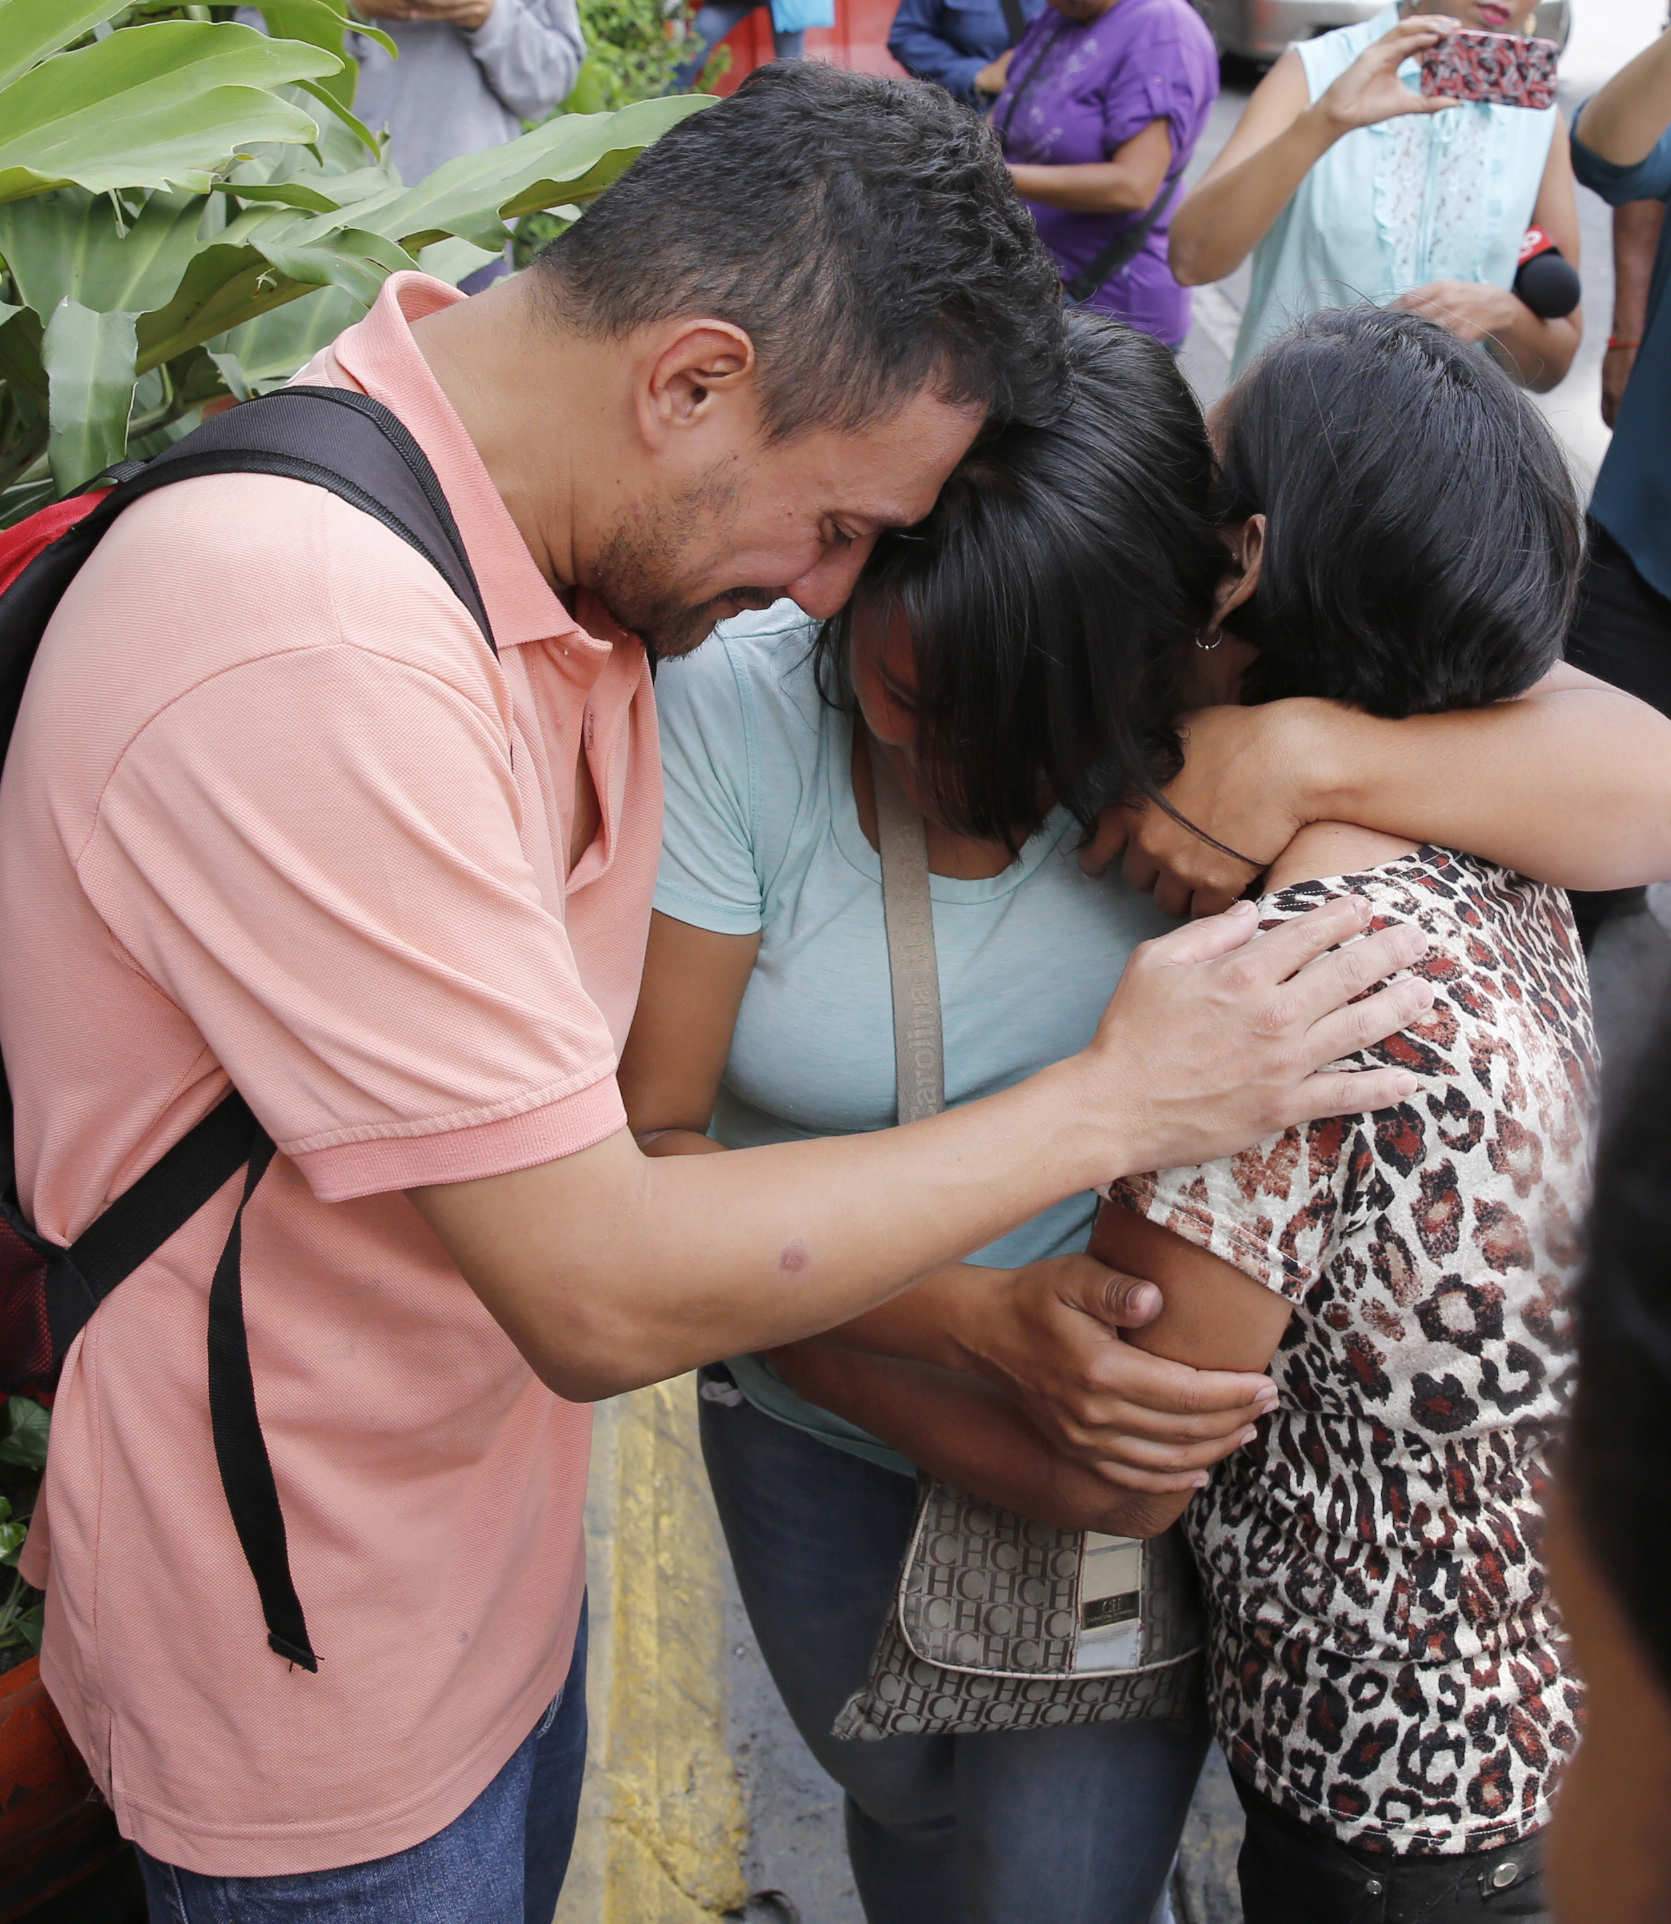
{"x": 762, "y": 834}
{"x": 1423, "y": 197}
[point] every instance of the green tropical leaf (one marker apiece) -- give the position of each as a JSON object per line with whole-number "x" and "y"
{"x": 151, "y": 106}
{"x": 32, "y": 1625}
{"x": 20, "y": 358}
{"x": 226, "y": 284}
{"x": 355, "y": 261}
{"x": 340, "y": 111}
{"x": 570, "y": 158}
{"x": 28, "y": 1427}
{"x": 30, "y": 30}
{"x": 322, "y": 23}
{"x": 68, "y": 246}
{"x": 90, "y": 365}
{"x": 13, "y": 1536}
{"x": 283, "y": 193}
{"x": 269, "y": 350}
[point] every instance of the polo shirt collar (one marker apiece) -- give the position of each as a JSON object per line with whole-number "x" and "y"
{"x": 380, "y": 354}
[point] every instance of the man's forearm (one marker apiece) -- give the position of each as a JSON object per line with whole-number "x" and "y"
{"x": 608, "y": 1268}
{"x": 1624, "y": 122}
{"x": 1571, "y": 785}
{"x": 626, "y": 1268}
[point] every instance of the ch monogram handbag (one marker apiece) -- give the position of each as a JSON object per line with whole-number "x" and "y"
{"x": 1000, "y": 1622}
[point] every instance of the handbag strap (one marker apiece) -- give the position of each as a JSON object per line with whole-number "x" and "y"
{"x": 1121, "y": 251}
{"x": 913, "y": 968}
{"x": 1015, "y": 20}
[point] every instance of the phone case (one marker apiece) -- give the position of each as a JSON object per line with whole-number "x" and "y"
{"x": 1500, "y": 69}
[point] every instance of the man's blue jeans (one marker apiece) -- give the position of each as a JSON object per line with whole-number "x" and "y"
{"x": 1056, "y": 1826}
{"x": 501, "y": 1862}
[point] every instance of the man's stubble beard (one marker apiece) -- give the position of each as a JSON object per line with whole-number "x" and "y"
{"x": 642, "y": 571}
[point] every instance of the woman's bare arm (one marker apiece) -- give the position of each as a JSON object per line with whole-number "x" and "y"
{"x": 1281, "y": 137}
{"x": 1571, "y": 784}
{"x": 1131, "y": 179}
{"x": 967, "y": 1433}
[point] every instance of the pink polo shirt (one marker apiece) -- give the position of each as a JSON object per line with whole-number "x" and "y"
{"x": 275, "y": 813}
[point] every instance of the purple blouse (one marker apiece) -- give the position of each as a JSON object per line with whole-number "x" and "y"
{"x": 1078, "y": 93}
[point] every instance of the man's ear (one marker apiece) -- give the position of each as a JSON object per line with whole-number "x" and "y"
{"x": 694, "y": 365}
{"x": 1247, "y": 545}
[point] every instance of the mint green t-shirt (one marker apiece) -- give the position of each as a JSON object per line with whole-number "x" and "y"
{"x": 762, "y": 834}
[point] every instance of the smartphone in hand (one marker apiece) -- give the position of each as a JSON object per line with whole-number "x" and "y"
{"x": 1500, "y": 69}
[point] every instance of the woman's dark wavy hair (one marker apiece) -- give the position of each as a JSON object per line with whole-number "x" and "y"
{"x": 1050, "y": 596}
{"x": 1618, "y": 1456}
{"x": 1423, "y": 536}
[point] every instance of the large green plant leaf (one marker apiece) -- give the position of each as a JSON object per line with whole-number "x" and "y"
{"x": 324, "y": 24}
{"x": 30, "y": 30}
{"x": 151, "y": 106}
{"x": 571, "y": 158}
{"x": 68, "y": 246}
{"x": 90, "y": 362}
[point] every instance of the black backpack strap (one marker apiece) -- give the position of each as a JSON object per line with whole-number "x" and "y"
{"x": 246, "y": 1471}
{"x": 137, "y": 1224}
{"x": 358, "y": 449}
{"x": 1105, "y": 264}
{"x": 332, "y": 438}
{"x": 1015, "y": 21}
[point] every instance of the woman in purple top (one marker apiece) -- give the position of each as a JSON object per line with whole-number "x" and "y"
{"x": 1101, "y": 109}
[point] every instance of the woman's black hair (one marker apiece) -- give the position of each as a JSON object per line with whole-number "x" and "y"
{"x": 1050, "y": 595}
{"x": 1423, "y": 536}
{"x": 1618, "y": 1458}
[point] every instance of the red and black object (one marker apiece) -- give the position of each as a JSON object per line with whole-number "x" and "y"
{"x": 1546, "y": 280}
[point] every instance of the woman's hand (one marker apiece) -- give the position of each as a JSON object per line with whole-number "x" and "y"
{"x": 993, "y": 77}
{"x": 1048, "y": 1335}
{"x": 1471, "y": 310}
{"x": 966, "y": 1432}
{"x": 1243, "y": 784}
{"x": 1370, "y": 89}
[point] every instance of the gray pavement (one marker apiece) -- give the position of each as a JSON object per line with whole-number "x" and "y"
{"x": 796, "y": 1853}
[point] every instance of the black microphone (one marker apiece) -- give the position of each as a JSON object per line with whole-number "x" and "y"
{"x": 1546, "y": 280}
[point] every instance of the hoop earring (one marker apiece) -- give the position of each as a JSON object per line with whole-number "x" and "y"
{"x": 1207, "y": 647}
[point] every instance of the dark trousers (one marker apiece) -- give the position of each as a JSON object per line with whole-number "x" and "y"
{"x": 1292, "y": 1874}
{"x": 1621, "y": 633}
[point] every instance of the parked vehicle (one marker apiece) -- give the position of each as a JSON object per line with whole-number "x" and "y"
{"x": 1262, "y": 29}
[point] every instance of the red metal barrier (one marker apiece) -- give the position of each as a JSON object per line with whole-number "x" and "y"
{"x": 858, "y": 40}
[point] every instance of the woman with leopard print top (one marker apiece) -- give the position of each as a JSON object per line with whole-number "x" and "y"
{"x": 1388, "y": 1677}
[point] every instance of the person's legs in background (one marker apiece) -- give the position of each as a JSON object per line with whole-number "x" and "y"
{"x": 1062, "y": 1826}
{"x": 1622, "y": 634}
{"x": 712, "y": 23}
{"x": 501, "y": 1861}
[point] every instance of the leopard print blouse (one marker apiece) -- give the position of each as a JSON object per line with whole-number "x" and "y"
{"x": 1386, "y": 1661}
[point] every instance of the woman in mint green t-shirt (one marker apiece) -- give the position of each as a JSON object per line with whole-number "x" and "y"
{"x": 1024, "y": 648}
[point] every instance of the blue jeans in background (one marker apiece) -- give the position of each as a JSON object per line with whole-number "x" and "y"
{"x": 1060, "y": 1826}
{"x": 710, "y": 27}
{"x": 501, "y": 1862}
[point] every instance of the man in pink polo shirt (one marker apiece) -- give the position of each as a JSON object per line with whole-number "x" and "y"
{"x": 278, "y": 819}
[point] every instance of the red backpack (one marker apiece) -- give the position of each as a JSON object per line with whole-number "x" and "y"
{"x": 353, "y": 446}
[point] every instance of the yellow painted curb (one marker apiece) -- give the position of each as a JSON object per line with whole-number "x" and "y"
{"x": 662, "y": 1828}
